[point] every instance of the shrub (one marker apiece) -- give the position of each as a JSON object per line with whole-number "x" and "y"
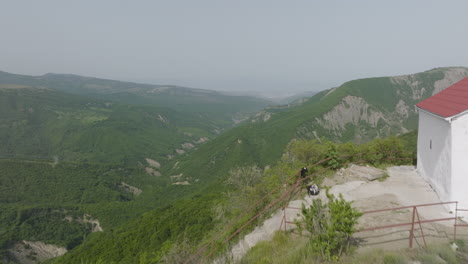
{"x": 331, "y": 226}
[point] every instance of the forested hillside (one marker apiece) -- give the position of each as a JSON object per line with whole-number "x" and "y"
{"x": 95, "y": 163}
{"x": 261, "y": 142}
{"x": 373, "y": 112}
{"x": 46, "y": 124}
{"x": 148, "y": 173}
{"x": 223, "y": 110}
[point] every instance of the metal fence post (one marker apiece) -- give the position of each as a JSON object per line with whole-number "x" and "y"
{"x": 282, "y": 220}
{"x": 285, "y": 220}
{"x": 455, "y": 225}
{"x": 412, "y": 228}
{"x": 420, "y": 227}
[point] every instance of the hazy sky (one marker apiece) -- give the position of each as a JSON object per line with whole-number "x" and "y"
{"x": 233, "y": 45}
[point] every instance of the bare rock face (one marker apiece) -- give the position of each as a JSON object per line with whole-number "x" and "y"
{"x": 32, "y": 252}
{"x": 412, "y": 82}
{"x": 151, "y": 171}
{"x": 180, "y": 151}
{"x": 261, "y": 116}
{"x": 153, "y": 163}
{"x": 96, "y": 225}
{"x": 162, "y": 118}
{"x": 181, "y": 183}
{"x": 359, "y": 120}
{"x": 452, "y": 76}
{"x": 351, "y": 110}
{"x": 130, "y": 189}
{"x": 402, "y": 109}
{"x": 187, "y": 145}
{"x": 202, "y": 140}
{"x": 94, "y": 222}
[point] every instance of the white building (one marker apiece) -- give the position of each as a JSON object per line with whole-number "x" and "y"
{"x": 443, "y": 142}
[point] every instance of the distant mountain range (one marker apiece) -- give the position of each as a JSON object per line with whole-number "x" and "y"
{"x": 222, "y": 109}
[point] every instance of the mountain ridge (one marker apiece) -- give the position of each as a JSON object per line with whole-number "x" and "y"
{"x": 220, "y": 108}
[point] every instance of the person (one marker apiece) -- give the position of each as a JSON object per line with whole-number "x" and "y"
{"x": 304, "y": 172}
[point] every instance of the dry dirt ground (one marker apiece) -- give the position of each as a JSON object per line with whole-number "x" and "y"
{"x": 402, "y": 187}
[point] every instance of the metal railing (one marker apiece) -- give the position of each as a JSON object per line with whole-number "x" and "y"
{"x": 456, "y": 221}
{"x": 416, "y": 220}
{"x": 415, "y": 214}
{"x": 284, "y": 220}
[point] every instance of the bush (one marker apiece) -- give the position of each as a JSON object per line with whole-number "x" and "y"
{"x": 331, "y": 226}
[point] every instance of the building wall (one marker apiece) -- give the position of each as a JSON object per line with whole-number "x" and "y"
{"x": 460, "y": 160}
{"x": 434, "y": 153}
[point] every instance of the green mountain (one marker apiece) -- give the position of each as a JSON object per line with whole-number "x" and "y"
{"x": 180, "y": 202}
{"x": 224, "y": 110}
{"x": 357, "y": 111}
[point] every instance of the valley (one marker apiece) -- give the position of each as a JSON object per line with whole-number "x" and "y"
{"x": 150, "y": 165}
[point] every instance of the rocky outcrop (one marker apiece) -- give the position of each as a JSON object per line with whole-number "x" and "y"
{"x": 411, "y": 81}
{"x": 131, "y": 189}
{"x": 181, "y": 183}
{"x": 202, "y": 140}
{"x": 187, "y": 145}
{"x": 351, "y": 110}
{"x": 95, "y": 225}
{"x": 32, "y": 252}
{"x": 452, "y": 75}
{"x": 153, "y": 172}
{"x": 402, "y": 109}
{"x": 355, "y": 118}
{"x": 262, "y": 116}
{"x": 153, "y": 163}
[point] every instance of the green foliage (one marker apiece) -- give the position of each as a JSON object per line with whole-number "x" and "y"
{"x": 49, "y": 225}
{"x": 282, "y": 249}
{"x": 333, "y": 161}
{"x": 391, "y": 150}
{"x": 85, "y": 133}
{"x": 46, "y": 124}
{"x": 217, "y": 107}
{"x": 394, "y": 259}
{"x": 330, "y": 226}
{"x": 438, "y": 254}
{"x": 149, "y": 237}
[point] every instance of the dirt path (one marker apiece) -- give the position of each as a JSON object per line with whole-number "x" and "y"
{"x": 403, "y": 187}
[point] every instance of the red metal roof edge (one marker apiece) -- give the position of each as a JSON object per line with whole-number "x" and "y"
{"x": 449, "y": 110}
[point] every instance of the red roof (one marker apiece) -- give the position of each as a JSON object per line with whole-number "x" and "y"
{"x": 449, "y": 102}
